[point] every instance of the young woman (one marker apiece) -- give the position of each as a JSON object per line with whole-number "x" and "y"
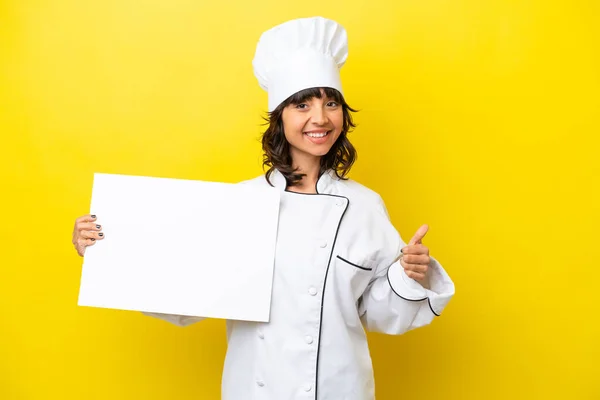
{"x": 341, "y": 268}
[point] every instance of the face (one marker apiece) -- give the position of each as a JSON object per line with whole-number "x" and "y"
{"x": 312, "y": 127}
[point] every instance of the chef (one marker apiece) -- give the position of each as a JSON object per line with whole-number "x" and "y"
{"x": 341, "y": 268}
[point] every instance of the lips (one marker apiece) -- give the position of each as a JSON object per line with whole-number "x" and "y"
{"x": 317, "y": 137}
{"x": 317, "y": 134}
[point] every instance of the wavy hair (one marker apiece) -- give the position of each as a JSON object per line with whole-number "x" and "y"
{"x": 276, "y": 148}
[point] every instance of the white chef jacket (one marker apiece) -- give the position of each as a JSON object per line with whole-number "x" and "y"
{"x": 336, "y": 275}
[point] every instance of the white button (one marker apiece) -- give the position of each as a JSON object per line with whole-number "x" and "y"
{"x": 323, "y": 245}
{"x": 312, "y": 291}
{"x": 307, "y": 388}
{"x": 261, "y": 334}
{"x": 260, "y": 383}
{"x": 309, "y": 339}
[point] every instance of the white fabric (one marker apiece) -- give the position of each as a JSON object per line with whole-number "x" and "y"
{"x": 332, "y": 282}
{"x": 300, "y": 54}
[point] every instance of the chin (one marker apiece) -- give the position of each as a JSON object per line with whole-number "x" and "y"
{"x": 322, "y": 154}
{"x": 318, "y": 153}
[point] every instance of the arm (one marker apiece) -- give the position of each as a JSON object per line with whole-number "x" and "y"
{"x": 179, "y": 320}
{"x": 393, "y": 302}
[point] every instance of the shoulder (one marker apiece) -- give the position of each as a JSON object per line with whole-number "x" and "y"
{"x": 361, "y": 195}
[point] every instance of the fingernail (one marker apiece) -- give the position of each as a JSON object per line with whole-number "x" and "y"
{"x": 101, "y": 234}
{"x": 93, "y": 240}
{"x": 93, "y": 216}
{"x": 98, "y": 226}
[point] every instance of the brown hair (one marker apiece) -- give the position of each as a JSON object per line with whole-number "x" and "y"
{"x": 276, "y": 148}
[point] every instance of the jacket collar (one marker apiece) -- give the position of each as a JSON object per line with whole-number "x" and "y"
{"x": 324, "y": 183}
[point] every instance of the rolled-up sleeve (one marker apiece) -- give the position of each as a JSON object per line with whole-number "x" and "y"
{"x": 393, "y": 303}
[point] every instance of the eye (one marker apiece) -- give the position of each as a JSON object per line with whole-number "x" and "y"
{"x": 332, "y": 104}
{"x": 301, "y": 106}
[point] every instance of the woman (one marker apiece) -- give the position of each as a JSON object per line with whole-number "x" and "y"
{"x": 341, "y": 268}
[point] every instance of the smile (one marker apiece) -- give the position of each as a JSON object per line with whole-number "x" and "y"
{"x": 317, "y": 134}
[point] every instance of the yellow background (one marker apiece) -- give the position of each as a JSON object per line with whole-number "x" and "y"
{"x": 479, "y": 118}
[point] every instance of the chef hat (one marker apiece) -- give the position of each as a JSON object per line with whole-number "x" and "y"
{"x": 300, "y": 54}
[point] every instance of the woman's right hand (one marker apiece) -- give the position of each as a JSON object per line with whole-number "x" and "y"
{"x": 86, "y": 232}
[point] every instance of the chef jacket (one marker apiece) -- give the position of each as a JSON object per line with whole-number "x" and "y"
{"x": 336, "y": 276}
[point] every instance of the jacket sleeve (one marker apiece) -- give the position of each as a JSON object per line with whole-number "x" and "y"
{"x": 179, "y": 320}
{"x": 393, "y": 303}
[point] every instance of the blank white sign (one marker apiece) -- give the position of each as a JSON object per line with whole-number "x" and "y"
{"x": 182, "y": 247}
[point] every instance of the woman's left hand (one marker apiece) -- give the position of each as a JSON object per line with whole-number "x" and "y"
{"x": 415, "y": 257}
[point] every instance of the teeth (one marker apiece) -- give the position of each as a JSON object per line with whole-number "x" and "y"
{"x": 317, "y": 135}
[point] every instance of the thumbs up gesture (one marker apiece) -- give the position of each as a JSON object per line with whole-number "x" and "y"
{"x": 415, "y": 257}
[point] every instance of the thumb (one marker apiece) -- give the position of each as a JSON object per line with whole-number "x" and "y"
{"x": 421, "y": 232}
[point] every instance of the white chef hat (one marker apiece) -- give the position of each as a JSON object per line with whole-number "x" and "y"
{"x": 300, "y": 54}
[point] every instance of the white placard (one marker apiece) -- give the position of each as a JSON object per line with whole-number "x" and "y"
{"x": 182, "y": 247}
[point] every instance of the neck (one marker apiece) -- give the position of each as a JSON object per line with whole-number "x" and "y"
{"x": 310, "y": 166}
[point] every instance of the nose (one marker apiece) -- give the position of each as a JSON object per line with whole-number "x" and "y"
{"x": 319, "y": 116}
